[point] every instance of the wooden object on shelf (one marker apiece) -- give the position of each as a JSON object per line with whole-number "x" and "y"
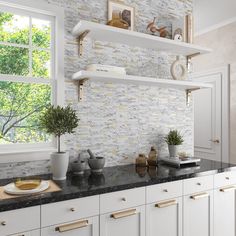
{"x": 135, "y": 39}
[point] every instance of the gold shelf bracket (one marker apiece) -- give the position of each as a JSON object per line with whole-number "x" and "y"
{"x": 189, "y": 59}
{"x": 81, "y": 88}
{"x": 188, "y": 95}
{"x": 80, "y": 40}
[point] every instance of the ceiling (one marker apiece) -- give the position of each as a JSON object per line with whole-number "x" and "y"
{"x": 211, "y": 14}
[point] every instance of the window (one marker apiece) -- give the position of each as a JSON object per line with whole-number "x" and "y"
{"x": 27, "y": 75}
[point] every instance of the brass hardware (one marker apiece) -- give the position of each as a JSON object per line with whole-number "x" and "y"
{"x": 193, "y": 55}
{"x": 72, "y": 209}
{"x": 199, "y": 196}
{"x": 227, "y": 189}
{"x": 81, "y": 88}
{"x": 3, "y": 223}
{"x": 80, "y": 40}
{"x": 165, "y": 190}
{"x": 123, "y": 214}
{"x": 123, "y": 199}
{"x": 215, "y": 140}
{"x": 188, "y": 94}
{"x": 72, "y": 226}
{"x": 166, "y": 204}
{"x": 189, "y": 59}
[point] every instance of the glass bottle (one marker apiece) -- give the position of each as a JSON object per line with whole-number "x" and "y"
{"x": 152, "y": 157}
{"x": 141, "y": 160}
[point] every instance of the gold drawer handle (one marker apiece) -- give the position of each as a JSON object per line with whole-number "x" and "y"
{"x": 199, "y": 196}
{"x": 227, "y": 189}
{"x": 72, "y": 226}
{"x": 123, "y": 214}
{"x": 166, "y": 204}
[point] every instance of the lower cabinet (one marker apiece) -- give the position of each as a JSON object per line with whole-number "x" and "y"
{"x": 164, "y": 218}
{"x": 224, "y": 211}
{"x": 83, "y": 227}
{"x": 31, "y": 233}
{"x": 129, "y": 222}
{"x": 198, "y": 214}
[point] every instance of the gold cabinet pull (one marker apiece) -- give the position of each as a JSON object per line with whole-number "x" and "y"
{"x": 199, "y": 196}
{"x": 166, "y": 204}
{"x": 118, "y": 215}
{"x": 227, "y": 189}
{"x": 72, "y": 226}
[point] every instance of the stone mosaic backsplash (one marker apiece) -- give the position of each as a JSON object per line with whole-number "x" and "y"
{"x": 119, "y": 121}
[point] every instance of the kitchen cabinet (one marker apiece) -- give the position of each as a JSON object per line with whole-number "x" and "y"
{"x": 199, "y": 206}
{"x": 224, "y": 211}
{"x": 224, "y": 204}
{"x": 164, "y": 218}
{"x": 21, "y": 220}
{"x": 129, "y": 222}
{"x": 31, "y": 233}
{"x": 198, "y": 214}
{"x": 82, "y": 227}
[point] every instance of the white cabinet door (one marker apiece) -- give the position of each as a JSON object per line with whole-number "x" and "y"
{"x": 164, "y": 218}
{"x": 224, "y": 211}
{"x": 84, "y": 227}
{"x": 31, "y": 233}
{"x": 130, "y": 222}
{"x": 198, "y": 214}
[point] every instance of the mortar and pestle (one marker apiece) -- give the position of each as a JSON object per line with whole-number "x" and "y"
{"x": 96, "y": 164}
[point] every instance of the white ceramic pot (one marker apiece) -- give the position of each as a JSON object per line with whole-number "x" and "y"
{"x": 173, "y": 150}
{"x": 59, "y": 165}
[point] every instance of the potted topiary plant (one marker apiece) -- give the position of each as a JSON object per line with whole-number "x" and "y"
{"x": 174, "y": 139}
{"x": 59, "y": 121}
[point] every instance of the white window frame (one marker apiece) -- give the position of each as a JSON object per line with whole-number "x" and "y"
{"x": 40, "y": 151}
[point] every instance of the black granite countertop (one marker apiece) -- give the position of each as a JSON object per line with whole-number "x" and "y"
{"x": 113, "y": 179}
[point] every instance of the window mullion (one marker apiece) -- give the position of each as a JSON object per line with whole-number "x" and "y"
{"x": 30, "y": 48}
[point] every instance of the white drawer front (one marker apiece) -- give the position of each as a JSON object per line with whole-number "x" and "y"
{"x": 224, "y": 179}
{"x": 121, "y": 200}
{"x": 65, "y": 211}
{"x": 164, "y": 191}
{"x": 198, "y": 184}
{"x": 21, "y": 220}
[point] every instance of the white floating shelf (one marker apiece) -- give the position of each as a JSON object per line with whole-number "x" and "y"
{"x": 116, "y": 35}
{"x": 130, "y": 79}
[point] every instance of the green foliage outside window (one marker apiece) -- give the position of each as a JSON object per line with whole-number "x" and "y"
{"x": 22, "y": 103}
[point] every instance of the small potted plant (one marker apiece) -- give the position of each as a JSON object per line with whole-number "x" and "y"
{"x": 173, "y": 139}
{"x": 59, "y": 121}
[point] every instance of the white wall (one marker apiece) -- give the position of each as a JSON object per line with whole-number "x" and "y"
{"x": 223, "y": 43}
{"x": 210, "y": 14}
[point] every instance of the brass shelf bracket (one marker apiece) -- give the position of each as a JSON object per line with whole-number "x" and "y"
{"x": 189, "y": 59}
{"x": 81, "y": 89}
{"x": 80, "y": 40}
{"x": 188, "y": 95}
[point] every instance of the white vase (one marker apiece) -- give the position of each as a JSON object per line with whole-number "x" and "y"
{"x": 173, "y": 150}
{"x": 59, "y": 165}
